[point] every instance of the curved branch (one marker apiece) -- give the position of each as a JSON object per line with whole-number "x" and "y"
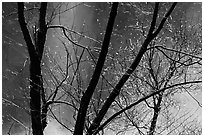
{"x": 178, "y": 52}
{"x": 25, "y": 31}
{"x": 66, "y": 75}
{"x": 70, "y": 30}
{"x": 139, "y": 101}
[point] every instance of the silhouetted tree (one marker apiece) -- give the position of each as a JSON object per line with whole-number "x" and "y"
{"x": 134, "y": 72}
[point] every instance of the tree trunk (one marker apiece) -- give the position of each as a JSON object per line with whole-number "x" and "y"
{"x": 157, "y": 109}
{"x": 36, "y": 87}
{"x": 35, "y": 53}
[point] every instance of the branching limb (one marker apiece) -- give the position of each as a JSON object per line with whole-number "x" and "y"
{"x": 130, "y": 70}
{"x": 141, "y": 100}
{"x": 25, "y": 31}
{"x": 177, "y": 52}
{"x": 65, "y": 29}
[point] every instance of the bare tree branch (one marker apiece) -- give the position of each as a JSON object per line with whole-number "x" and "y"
{"x": 25, "y": 31}
{"x": 70, "y": 30}
{"x": 140, "y": 100}
{"x": 125, "y": 77}
{"x": 35, "y": 53}
{"x": 178, "y": 52}
{"x": 164, "y": 19}
{"x": 79, "y": 126}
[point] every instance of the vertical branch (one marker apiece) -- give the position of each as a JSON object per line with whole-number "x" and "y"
{"x": 157, "y": 109}
{"x": 94, "y": 80}
{"x": 41, "y": 37}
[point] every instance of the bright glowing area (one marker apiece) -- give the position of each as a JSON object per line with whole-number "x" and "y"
{"x": 54, "y": 128}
